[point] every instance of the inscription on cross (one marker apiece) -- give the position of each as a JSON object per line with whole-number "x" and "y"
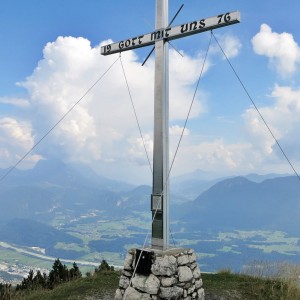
{"x": 162, "y": 34}
{"x": 172, "y": 33}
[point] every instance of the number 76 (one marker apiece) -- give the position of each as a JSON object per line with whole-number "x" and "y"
{"x": 224, "y": 18}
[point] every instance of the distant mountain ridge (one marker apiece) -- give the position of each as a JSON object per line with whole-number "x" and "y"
{"x": 56, "y": 172}
{"x": 31, "y": 233}
{"x": 238, "y": 203}
{"x": 52, "y": 188}
{"x": 51, "y": 185}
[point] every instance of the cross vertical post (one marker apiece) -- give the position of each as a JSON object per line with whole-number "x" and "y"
{"x": 160, "y": 188}
{"x": 162, "y": 34}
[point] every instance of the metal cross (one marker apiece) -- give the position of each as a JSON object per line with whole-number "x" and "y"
{"x": 162, "y": 34}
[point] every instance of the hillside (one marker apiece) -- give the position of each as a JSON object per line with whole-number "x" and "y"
{"x": 220, "y": 286}
{"x": 80, "y": 215}
{"x": 238, "y": 203}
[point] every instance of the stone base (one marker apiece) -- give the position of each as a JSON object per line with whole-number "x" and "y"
{"x": 173, "y": 274}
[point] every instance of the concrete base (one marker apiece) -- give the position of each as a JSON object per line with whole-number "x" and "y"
{"x": 170, "y": 274}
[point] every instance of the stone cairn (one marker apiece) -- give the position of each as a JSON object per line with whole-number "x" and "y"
{"x": 172, "y": 274}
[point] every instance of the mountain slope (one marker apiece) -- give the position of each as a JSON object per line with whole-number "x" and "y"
{"x": 53, "y": 186}
{"x": 31, "y": 233}
{"x": 238, "y": 203}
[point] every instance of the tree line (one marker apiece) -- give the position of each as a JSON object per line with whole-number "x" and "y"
{"x": 58, "y": 274}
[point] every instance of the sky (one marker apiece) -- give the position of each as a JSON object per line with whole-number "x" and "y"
{"x": 50, "y": 57}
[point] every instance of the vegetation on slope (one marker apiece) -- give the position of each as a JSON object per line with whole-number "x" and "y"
{"x": 223, "y": 285}
{"x": 228, "y": 286}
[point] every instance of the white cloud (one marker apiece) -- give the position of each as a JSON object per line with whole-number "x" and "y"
{"x": 15, "y": 140}
{"x": 102, "y": 128}
{"x": 230, "y": 44}
{"x": 177, "y": 130}
{"x": 281, "y": 49}
{"x": 18, "y": 102}
{"x": 283, "y": 119}
{"x": 217, "y": 157}
{"x": 138, "y": 148}
{"x": 184, "y": 72}
{"x": 259, "y": 153}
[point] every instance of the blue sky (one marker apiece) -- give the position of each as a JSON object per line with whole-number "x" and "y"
{"x": 49, "y": 57}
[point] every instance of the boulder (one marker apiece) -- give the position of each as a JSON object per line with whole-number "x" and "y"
{"x": 196, "y": 273}
{"x": 132, "y": 294}
{"x": 128, "y": 262}
{"x": 118, "y": 295}
{"x": 148, "y": 284}
{"x": 183, "y": 260}
{"x": 164, "y": 266}
{"x": 184, "y": 274}
{"x": 168, "y": 281}
{"x": 173, "y": 293}
{"x": 124, "y": 282}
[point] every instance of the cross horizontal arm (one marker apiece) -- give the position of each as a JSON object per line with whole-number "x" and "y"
{"x": 172, "y": 33}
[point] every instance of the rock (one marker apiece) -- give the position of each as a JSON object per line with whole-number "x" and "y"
{"x": 192, "y": 257}
{"x": 118, "y": 295}
{"x": 128, "y": 262}
{"x": 168, "y": 281}
{"x": 183, "y": 260}
{"x": 196, "y": 273}
{"x": 198, "y": 284}
{"x": 173, "y": 276}
{"x": 185, "y": 293}
{"x": 164, "y": 266}
{"x": 201, "y": 294}
{"x": 132, "y": 294}
{"x": 188, "y": 285}
{"x": 131, "y": 251}
{"x": 184, "y": 274}
{"x": 173, "y": 293}
{"x": 148, "y": 284}
{"x": 191, "y": 290}
{"x": 124, "y": 282}
{"x": 126, "y": 273}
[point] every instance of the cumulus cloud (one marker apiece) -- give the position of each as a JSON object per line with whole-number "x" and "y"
{"x": 259, "y": 152}
{"x": 102, "y": 127}
{"x": 177, "y": 130}
{"x": 281, "y": 49}
{"x": 16, "y": 139}
{"x": 283, "y": 119}
{"x": 101, "y": 130}
{"x": 18, "y": 102}
{"x": 217, "y": 157}
{"x": 230, "y": 44}
{"x": 138, "y": 148}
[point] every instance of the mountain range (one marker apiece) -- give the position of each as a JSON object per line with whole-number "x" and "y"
{"x": 238, "y": 203}
{"x": 252, "y": 201}
{"x": 33, "y": 201}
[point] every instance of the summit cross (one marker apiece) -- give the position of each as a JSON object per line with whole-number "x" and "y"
{"x": 160, "y": 37}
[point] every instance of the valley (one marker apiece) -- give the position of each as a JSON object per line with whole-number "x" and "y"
{"x": 232, "y": 223}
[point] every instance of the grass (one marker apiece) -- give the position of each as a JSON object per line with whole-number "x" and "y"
{"x": 222, "y": 285}
{"x": 93, "y": 287}
{"x": 263, "y": 281}
{"x": 237, "y": 286}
